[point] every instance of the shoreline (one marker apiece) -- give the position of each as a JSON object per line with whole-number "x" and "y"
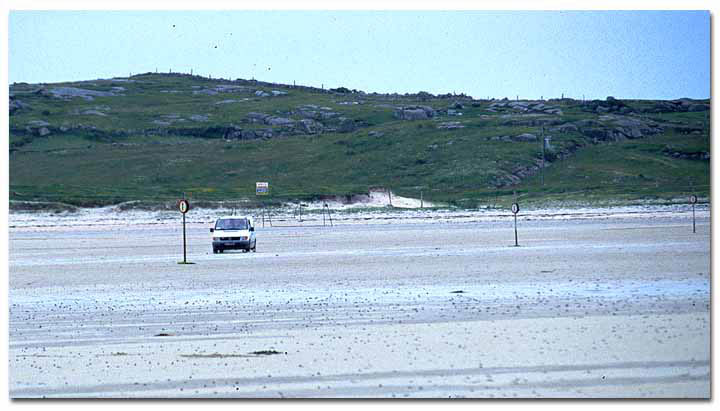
{"x": 289, "y": 217}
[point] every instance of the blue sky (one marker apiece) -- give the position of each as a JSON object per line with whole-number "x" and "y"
{"x": 626, "y": 54}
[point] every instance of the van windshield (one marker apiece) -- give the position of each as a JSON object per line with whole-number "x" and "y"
{"x": 232, "y": 224}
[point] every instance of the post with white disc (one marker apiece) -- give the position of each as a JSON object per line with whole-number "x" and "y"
{"x": 515, "y": 208}
{"x": 693, "y": 201}
{"x": 184, "y": 207}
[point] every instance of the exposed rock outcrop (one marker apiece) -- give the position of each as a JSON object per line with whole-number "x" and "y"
{"x": 414, "y": 113}
{"x": 71, "y": 92}
{"x": 525, "y": 107}
{"x": 673, "y": 106}
{"x": 525, "y": 137}
{"x": 17, "y": 105}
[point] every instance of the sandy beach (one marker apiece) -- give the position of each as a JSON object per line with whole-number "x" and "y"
{"x": 432, "y": 304}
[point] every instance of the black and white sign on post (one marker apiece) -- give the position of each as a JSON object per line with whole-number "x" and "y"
{"x": 184, "y": 206}
{"x": 693, "y": 201}
{"x": 515, "y": 208}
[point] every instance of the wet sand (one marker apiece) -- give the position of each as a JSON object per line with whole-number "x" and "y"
{"x": 590, "y": 307}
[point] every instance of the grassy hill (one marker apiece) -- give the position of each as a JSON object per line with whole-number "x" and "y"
{"x": 154, "y": 136}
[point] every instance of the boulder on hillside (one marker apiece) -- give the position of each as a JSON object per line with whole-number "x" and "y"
{"x": 206, "y": 91}
{"x": 70, "y": 92}
{"x": 566, "y": 128}
{"x": 525, "y": 137}
{"x": 450, "y": 125}
{"x": 310, "y": 126}
{"x": 249, "y": 135}
{"x": 93, "y": 113}
{"x": 199, "y": 117}
{"x": 609, "y": 105}
{"x": 346, "y": 125}
{"x": 257, "y": 117}
{"x": 414, "y": 113}
{"x": 16, "y": 105}
{"x": 280, "y": 121}
{"x": 698, "y": 107}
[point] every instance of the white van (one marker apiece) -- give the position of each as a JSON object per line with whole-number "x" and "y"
{"x": 233, "y": 233}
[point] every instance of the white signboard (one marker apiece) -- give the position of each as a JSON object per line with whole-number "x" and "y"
{"x": 262, "y": 188}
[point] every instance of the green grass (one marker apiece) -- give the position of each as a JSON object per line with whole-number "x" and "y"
{"x": 457, "y": 167}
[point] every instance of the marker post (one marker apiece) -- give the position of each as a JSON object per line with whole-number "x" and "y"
{"x": 693, "y": 201}
{"x": 515, "y": 208}
{"x": 326, "y": 208}
{"x": 184, "y": 207}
